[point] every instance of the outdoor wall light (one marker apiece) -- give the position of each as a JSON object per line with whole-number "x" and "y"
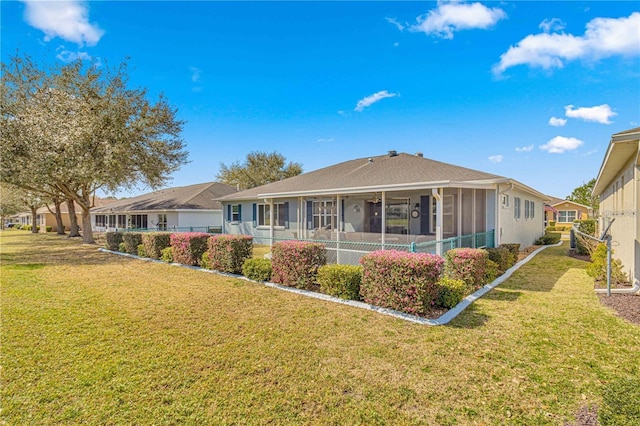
{"x": 417, "y": 205}
{"x": 356, "y": 209}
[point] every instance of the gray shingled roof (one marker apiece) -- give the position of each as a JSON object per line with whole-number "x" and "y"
{"x": 371, "y": 172}
{"x": 199, "y": 196}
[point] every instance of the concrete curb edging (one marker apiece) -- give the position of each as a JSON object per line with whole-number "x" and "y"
{"x": 442, "y": 320}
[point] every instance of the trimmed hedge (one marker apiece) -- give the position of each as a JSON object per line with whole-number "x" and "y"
{"x": 188, "y": 247}
{"x": 257, "y": 269}
{"x": 450, "y": 292}
{"x": 468, "y": 265}
{"x": 549, "y": 238}
{"x": 167, "y": 255}
{"x": 113, "y": 240}
{"x": 141, "y": 251}
{"x": 227, "y": 253}
{"x": 514, "y": 248}
{"x": 155, "y": 242}
{"x": 296, "y": 263}
{"x": 402, "y": 281}
{"x": 503, "y": 258}
{"x": 131, "y": 242}
{"x": 340, "y": 280}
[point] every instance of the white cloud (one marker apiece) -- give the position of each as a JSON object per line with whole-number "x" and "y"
{"x": 599, "y": 114}
{"x": 395, "y": 22}
{"x": 561, "y": 144}
{"x": 603, "y": 37}
{"x": 557, "y": 122}
{"x": 454, "y": 16}
{"x": 196, "y": 73}
{"x": 525, "y": 148}
{"x": 325, "y": 140}
{"x": 68, "y": 56}
{"x": 372, "y": 99}
{"x": 553, "y": 24}
{"x": 396, "y": 44}
{"x": 495, "y": 158}
{"x": 67, "y": 19}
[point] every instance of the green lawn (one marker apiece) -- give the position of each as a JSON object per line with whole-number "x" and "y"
{"x": 95, "y": 338}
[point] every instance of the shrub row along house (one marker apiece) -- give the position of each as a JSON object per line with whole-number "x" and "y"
{"x": 397, "y": 201}
{"x": 619, "y": 193}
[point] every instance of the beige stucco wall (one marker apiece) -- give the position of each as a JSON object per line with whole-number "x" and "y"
{"x": 619, "y": 202}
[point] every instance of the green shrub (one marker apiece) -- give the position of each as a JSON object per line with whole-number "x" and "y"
{"x": 503, "y": 258}
{"x": 552, "y": 223}
{"x": 167, "y": 255}
{"x": 17, "y": 226}
{"x": 257, "y": 269}
{"x": 597, "y": 269}
{"x": 621, "y": 403}
{"x": 402, "y": 281}
{"x": 340, "y": 280}
{"x": 113, "y": 240}
{"x": 48, "y": 228}
{"x": 492, "y": 271}
{"x": 204, "y": 261}
{"x": 551, "y": 228}
{"x": 131, "y": 241}
{"x": 450, "y": 292}
{"x": 227, "y": 253}
{"x": 142, "y": 252}
{"x": 468, "y": 265}
{"x": 296, "y": 263}
{"x": 548, "y": 238}
{"x": 122, "y": 248}
{"x": 155, "y": 242}
{"x": 188, "y": 247}
{"x": 584, "y": 245}
{"x": 514, "y": 248}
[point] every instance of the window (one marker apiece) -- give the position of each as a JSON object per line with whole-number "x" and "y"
{"x": 138, "y": 221}
{"x": 122, "y": 221}
{"x": 505, "y": 200}
{"x": 162, "y": 222}
{"x": 279, "y": 215}
{"x": 235, "y": 213}
{"x": 516, "y": 207}
{"x": 100, "y": 220}
{"x": 112, "y": 221}
{"x": 324, "y": 215}
{"x": 566, "y": 216}
{"x": 397, "y": 216}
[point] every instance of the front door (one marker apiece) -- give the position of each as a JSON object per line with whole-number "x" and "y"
{"x": 374, "y": 217}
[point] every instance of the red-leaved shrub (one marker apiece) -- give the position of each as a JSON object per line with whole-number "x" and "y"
{"x": 296, "y": 263}
{"x": 402, "y": 281}
{"x": 188, "y": 247}
{"x": 468, "y": 265}
{"x": 227, "y": 253}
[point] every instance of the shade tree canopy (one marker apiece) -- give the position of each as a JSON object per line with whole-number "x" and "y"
{"x": 79, "y": 127}
{"x": 259, "y": 168}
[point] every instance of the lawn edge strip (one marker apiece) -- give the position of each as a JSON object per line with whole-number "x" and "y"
{"x": 442, "y": 320}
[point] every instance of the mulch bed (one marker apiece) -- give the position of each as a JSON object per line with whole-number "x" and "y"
{"x": 626, "y": 306}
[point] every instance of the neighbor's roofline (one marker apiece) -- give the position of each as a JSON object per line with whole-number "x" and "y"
{"x": 629, "y": 136}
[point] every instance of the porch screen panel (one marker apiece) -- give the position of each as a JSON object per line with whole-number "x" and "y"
{"x": 467, "y": 211}
{"x": 448, "y": 215}
{"x": 425, "y": 209}
{"x": 481, "y": 210}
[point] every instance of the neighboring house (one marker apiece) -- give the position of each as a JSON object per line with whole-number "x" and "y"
{"x": 424, "y": 201}
{"x": 46, "y": 217}
{"x": 620, "y": 198}
{"x": 565, "y": 212}
{"x": 193, "y": 207}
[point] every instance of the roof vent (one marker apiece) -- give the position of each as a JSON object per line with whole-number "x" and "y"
{"x": 419, "y": 154}
{"x": 370, "y": 160}
{"x": 393, "y": 153}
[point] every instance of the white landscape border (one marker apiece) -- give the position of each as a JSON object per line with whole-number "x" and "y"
{"x": 442, "y": 320}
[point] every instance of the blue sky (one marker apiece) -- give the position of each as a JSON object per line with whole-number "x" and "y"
{"x": 526, "y": 89}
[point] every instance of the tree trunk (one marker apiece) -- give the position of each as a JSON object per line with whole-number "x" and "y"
{"x": 87, "y": 232}
{"x": 34, "y": 217}
{"x": 73, "y": 220}
{"x": 58, "y": 214}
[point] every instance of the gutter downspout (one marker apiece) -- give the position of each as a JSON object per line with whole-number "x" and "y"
{"x": 435, "y": 193}
{"x": 633, "y": 290}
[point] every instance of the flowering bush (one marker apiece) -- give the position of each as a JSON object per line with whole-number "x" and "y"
{"x": 257, "y": 269}
{"x": 296, "y": 263}
{"x": 468, "y": 265}
{"x": 113, "y": 240}
{"x": 227, "y": 253}
{"x": 155, "y": 242}
{"x": 188, "y": 247}
{"x": 402, "y": 281}
{"x": 450, "y": 292}
{"x": 340, "y": 280}
{"x": 131, "y": 242}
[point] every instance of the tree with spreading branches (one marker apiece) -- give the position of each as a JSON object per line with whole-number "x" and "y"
{"x": 259, "y": 168}
{"x": 78, "y": 127}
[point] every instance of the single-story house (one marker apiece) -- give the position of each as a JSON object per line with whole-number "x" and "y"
{"x": 389, "y": 201}
{"x": 565, "y": 212}
{"x": 619, "y": 193}
{"x": 46, "y": 216}
{"x": 185, "y": 208}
